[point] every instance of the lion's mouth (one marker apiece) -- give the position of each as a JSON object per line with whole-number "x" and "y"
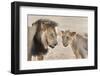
{"x": 65, "y": 45}
{"x": 51, "y": 46}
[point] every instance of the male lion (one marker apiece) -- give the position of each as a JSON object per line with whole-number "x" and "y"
{"x": 79, "y": 44}
{"x": 45, "y": 36}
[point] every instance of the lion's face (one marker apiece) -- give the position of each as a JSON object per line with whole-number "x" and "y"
{"x": 51, "y": 37}
{"x": 46, "y": 32}
{"x": 67, "y": 37}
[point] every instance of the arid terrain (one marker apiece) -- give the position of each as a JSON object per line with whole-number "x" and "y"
{"x": 77, "y": 24}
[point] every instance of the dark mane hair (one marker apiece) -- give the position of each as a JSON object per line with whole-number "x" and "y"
{"x": 37, "y": 46}
{"x": 47, "y": 22}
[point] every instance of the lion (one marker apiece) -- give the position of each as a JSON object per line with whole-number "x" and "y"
{"x": 45, "y": 36}
{"x": 79, "y": 43}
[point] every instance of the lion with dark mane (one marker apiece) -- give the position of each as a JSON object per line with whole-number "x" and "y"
{"x": 45, "y": 36}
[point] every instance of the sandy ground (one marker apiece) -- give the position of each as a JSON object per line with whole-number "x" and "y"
{"x": 78, "y": 24}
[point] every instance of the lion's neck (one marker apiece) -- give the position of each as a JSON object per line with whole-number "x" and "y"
{"x": 40, "y": 44}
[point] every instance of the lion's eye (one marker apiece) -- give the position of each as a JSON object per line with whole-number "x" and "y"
{"x": 51, "y": 34}
{"x": 67, "y": 37}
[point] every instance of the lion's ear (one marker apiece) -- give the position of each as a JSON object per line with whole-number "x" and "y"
{"x": 72, "y": 33}
{"x": 36, "y": 23}
{"x": 33, "y": 24}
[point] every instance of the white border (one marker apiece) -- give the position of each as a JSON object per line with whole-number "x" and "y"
{"x": 26, "y": 65}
